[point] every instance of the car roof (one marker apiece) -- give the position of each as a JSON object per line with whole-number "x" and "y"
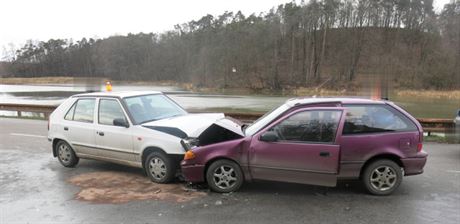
{"x": 119, "y": 94}
{"x": 349, "y": 100}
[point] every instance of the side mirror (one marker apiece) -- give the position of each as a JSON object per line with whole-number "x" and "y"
{"x": 269, "y": 136}
{"x": 121, "y": 122}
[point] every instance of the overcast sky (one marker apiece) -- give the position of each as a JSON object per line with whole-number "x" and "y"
{"x": 44, "y": 19}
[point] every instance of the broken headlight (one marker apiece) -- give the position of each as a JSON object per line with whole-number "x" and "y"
{"x": 189, "y": 143}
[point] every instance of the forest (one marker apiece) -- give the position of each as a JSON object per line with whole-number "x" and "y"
{"x": 328, "y": 43}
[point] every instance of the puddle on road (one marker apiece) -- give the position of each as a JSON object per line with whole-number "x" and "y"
{"x": 115, "y": 187}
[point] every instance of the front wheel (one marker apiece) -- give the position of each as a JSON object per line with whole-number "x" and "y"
{"x": 159, "y": 167}
{"x": 224, "y": 176}
{"x": 382, "y": 177}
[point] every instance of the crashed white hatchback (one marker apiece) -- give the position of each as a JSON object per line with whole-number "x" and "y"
{"x": 140, "y": 129}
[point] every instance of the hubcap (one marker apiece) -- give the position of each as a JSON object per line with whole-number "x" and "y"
{"x": 383, "y": 178}
{"x": 64, "y": 153}
{"x": 157, "y": 168}
{"x": 224, "y": 177}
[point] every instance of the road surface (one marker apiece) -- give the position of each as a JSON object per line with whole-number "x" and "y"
{"x": 35, "y": 188}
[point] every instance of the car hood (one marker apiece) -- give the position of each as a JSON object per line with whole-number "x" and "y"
{"x": 192, "y": 125}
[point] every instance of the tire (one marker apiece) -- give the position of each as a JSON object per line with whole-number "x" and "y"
{"x": 382, "y": 177}
{"x": 160, "y": 168}
{"x": 66, "y": 155}
{"x": 224, "y": 176}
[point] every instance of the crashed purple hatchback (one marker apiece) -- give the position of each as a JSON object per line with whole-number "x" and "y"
{"x": 314, "y": 141}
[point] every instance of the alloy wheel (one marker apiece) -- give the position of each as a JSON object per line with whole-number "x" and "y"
{"x": 383, "y": 178}
{"x": 224, "y": 177}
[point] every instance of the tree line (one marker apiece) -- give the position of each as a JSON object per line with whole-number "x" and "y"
{"x": 335, "y": 43}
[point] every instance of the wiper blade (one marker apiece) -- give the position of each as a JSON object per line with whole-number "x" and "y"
{"x": 143, "y": 122}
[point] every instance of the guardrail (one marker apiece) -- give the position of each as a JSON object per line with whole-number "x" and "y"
{"x": 19, "y": 108}
{"x": 429, "y": 124}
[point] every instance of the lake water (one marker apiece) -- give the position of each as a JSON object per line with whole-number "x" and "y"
{"x": 55, "y": 94}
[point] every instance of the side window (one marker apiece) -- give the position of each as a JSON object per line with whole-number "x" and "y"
{"x": 109, "y": 110}
{"x": 84, "y": 110}
{"x": 362, "y": 119}
{"x": 309, "y": 126}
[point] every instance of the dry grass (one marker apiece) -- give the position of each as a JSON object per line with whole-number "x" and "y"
{"x": 321, "y": 92}
{"x": 432, "y": 94}
{"x": 38, "y": 80}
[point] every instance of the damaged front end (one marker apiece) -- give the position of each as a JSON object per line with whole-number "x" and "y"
{"x": 199, "y": 129}
{"x": 225, "y": 129}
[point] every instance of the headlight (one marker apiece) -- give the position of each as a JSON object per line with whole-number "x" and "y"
{"x": 189, "y": 143}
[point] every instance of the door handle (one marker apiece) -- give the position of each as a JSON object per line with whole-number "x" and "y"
{"x": 100, "y": 133}
{"x": 66, "y": 128}
{"x": 324, "y": 154}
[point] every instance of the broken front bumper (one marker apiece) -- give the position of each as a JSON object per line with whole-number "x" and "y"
{"x": 193, "y": 173}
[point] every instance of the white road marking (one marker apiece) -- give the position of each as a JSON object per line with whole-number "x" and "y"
{"x": 453, "y": 171}
{"x": 28, "y": 135}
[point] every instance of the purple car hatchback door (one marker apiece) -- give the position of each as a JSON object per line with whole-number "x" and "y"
{"x": 315, "y": 141}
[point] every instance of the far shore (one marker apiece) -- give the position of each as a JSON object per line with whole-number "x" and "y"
{"x": 297, "y": 91}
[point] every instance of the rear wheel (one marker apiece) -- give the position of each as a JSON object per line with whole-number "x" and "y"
{"x": 382, "y": 177}
{"x": 66, "y": 155}
{"x": 224, "y": 176}
{"x": 159, "y": 167}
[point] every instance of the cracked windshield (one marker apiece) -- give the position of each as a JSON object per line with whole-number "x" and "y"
{"x": 214, "y": 111}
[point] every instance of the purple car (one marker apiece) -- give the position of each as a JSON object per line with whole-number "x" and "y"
{"x": 312, "y": 141}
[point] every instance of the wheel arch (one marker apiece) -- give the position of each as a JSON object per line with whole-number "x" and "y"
{"x": 55, "y": 142}
{"x": 148, "y": 150}
{"x": 393, "y": 157}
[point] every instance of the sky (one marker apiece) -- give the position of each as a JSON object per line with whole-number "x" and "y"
{"x": 41, "y": 20}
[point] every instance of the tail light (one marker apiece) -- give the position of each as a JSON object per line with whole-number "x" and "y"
{"x": 419, "y": 147}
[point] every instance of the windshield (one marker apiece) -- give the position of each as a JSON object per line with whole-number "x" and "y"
{"x": 152, "y": 107}
{"x": 264, "y": 120}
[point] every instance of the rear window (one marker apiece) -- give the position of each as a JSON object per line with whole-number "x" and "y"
{"x": 82, "y": 110}
{"x": 363, "y": 119}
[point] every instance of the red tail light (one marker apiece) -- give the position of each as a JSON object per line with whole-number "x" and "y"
{"x": 419, "y": 147}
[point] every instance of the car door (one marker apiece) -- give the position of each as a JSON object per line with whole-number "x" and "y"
{"x": 300, "y": 147}
{"x": 78, "y": 126}
{"x": 113, "y": 141}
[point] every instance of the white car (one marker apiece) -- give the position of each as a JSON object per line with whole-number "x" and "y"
{"x": 140, "y": 129}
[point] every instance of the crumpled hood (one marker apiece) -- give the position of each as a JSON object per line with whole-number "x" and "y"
{"x": 192, "y": 125}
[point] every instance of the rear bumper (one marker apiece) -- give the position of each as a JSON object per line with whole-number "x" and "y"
{"x": 414, "y": 165}
{"x": 193, "y": 173}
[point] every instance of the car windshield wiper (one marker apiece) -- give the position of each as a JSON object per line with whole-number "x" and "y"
{"x": 159, "y": 118}
{"x": 143, "y": 122}
{"x": 243, "y": 127}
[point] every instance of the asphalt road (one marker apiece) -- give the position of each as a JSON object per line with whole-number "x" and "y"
{"x": 35, "y": 188}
